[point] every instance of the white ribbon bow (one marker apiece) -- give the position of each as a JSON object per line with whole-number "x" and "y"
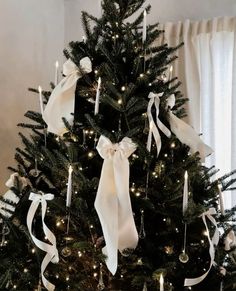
{"x": 50, "y": 249}
{"x": 230, "y": 240}
{"x": 153, "y": 128}
{"x": 113, "y": 201}
{"x": 10, "y": 195}
{"x": 62, "y": 100}
{"x": 186, "y": 134}
{"x": 212, "y": 242}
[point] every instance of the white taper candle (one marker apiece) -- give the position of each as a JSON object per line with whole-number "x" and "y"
{"x": 170, "y": 72}
{"x": 41, "y": 99}
{"x": 185, "y": 194}
{"x": 56, "y": 73}
{"x": 144, "y": 25}
{"x": 69, "y": 187}
{"x": 221, "y": 200}
{"x": 161, "y": 283}
{"x": 96, "y": 109}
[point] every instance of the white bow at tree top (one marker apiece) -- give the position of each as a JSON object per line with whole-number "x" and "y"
{"x": 153, "y": 128}
{"x": 113, "y": 200}
{"x": 50, "y": 249}
{"x": 62, "y": 100}
{"x": 212, "y": 243}
{"x": 186, "y": 134}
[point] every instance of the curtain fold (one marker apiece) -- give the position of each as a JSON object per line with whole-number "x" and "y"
{"x": 207, "y": 69}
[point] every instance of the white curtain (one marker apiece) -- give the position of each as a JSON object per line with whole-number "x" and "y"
{"x": 207, "y": 68}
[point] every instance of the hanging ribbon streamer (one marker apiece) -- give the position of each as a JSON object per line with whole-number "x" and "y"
{"x": 96, "y": 109}
{"x": 186, "y": 134}
{"x": 50, "y": 249}
{"x": 113, "y": 201}
{"x": 62, "y": 100}
{"x": 212, "y": 242}
{"x": 153, "y": 128}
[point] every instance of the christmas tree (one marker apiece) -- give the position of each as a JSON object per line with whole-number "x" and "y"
{"x": 109, "y": 191}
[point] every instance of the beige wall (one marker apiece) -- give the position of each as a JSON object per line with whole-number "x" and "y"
{"x": 31, "y": 39}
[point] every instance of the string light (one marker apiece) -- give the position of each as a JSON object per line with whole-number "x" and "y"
{"x": 165, "y": 155}
{"x": 91, "y": 226}
{"x": 172, "y": 145}
{"x": 67, "y": 278}
{"x": 90, "y": 154}
{"x": 134, "y": 156}
{"x": 132, "y": 188}
{"x": 79, "y": 254}
{"x": 119, "y": 101}
{"x": 33, "y": 250}
{"x": 123, "y": 88}
{"x": 58, "y": 223}
{"x": 138, "y": 194}
{"x": 95, "y": 275}
{"x": 26, "y": 270}
{"x": 57, "y": 276}
{"x": 96, "y": 71}
{"x": 14, "y": 286}
{"x": 141, "y": 75}
{"x": 139, "y": 262}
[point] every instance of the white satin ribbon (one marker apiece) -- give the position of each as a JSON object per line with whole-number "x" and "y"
{"x": 11, "y": 181}
{"x": 153, "y": 128}
{"x": 212, "y": 242}
{"x": 113, "y": 201}
{"x": 230, "y": 240}
{"x": 62, "y": 100}
{"x": 186, "y": 134}
{"x": 50, "y": 249}
{"x": 10, "y": 195}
